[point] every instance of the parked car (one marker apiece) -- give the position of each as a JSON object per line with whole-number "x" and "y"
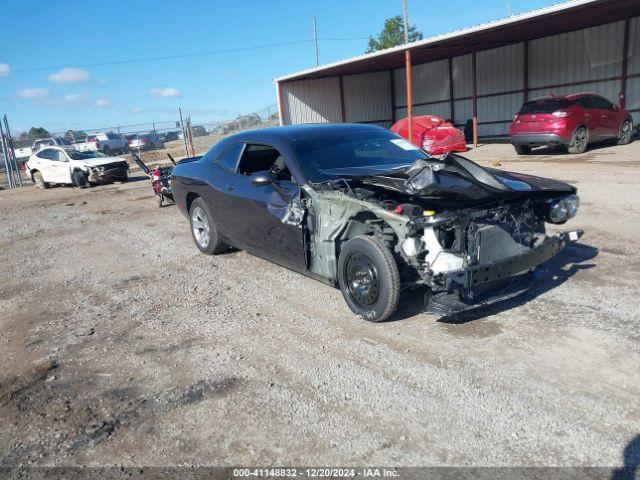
{"x": 169, "y": 136}
{"x": 106, "y": 143}
{"x": 57, "y": 165}
{"x": 572, "y": 121}
{"x": 198, "y": 131}
{"x": 360, "y": 207}
{"x": 50, "y": 142}
{"x": 147, "y": 141}
{"x": 433, "y": 134}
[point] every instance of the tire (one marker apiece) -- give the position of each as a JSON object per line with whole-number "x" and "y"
{"x": 579, "y": 141}
{"x": 79, "y": 179}
{"x": 626, "y": 133}
{"x": 123, "y": 179}
{"x": 522, "y": 149}
{"x": 368, "y": 278}
{"x": 203, "y": 230}
{"x": 38, "y": 179}
{"x": 106, "y": 151}
{"x": 160, "y": 199}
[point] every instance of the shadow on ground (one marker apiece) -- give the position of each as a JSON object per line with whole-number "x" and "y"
{"x": 575, "y": 257}
{"x": 631, "y": 456}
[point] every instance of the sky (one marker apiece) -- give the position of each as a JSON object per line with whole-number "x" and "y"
{"x": 49, "y": 55}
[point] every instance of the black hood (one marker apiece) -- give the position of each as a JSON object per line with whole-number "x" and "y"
{"x": 456, "y": 177}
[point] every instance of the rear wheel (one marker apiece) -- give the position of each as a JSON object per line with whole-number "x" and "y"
{"x": 522, "y": 149}
{"x": 38, "y": 179}
{"x": 203, "y": 230}
{"x": 106, "y": 151}
{"x": 579, "y": 141}
{"x": 368, "y": 278}
{"x": 626, "y": 133}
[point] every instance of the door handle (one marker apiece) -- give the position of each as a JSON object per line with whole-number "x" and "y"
{"x": 230, "y": 187}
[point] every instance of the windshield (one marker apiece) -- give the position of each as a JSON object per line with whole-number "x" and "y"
{"x": 76, "y": 155}
{"x": 543, "y": 106}
{"x": 354, "y": 153}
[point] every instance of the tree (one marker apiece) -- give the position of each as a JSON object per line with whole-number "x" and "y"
{"x": 392, "y": 35}
{"x": 37, "y": 132}
{"x": 75, "y": 135}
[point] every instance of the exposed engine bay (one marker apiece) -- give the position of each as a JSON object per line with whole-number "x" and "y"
{"x": 460, "y": 235}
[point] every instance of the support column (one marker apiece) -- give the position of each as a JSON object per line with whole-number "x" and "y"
{"x": 280, "y": 103}
{"x": 451, "y": 102}
{"x": 407, "y": 64}
{"x": 474, "y": 99}
{"x": 525, "y": 87}
{"x": 392, "y": 83}
{"x": 343, "y": 114}
{"x": 625, "y": 64}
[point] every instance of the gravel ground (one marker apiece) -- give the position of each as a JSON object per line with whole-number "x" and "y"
{"x": 122, "y": 345}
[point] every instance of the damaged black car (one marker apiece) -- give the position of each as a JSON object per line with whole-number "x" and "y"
{"x": 361, "y": 208}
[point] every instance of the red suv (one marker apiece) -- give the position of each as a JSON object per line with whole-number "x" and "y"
{"x": 573, "y": 121}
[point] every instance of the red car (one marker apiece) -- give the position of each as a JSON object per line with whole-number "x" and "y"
{"x": 433, "y": 134}
{"x": 573, "y": 122}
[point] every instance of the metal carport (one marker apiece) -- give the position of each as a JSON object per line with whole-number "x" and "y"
{"x": 483, "y": 73}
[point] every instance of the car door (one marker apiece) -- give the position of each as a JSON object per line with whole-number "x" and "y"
{"x": 606, "y": 118}
{"x": 61, "y": 167}
{"x": 46, "y": 165}
{"x": 588, "y": 115}
{"x": 255, "y": 216}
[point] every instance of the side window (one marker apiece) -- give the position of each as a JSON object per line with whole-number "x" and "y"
{"x": 259, "y": 158}
{"x": 602, "y": 103}
{"x": 585, "y": 102}
{"x": 229, "y": 159}
{"x": 47, "y": 154}
{"x": 59, "y": 155}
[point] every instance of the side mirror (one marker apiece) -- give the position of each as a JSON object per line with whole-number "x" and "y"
{"x": 616, "y": 107}
{"x": 261, "y": 179}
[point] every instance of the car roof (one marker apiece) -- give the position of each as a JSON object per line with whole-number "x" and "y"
{"x": 571, "y": 96}
{"x": 296, "y": 132}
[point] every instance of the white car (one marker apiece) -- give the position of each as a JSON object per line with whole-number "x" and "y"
{"x": 57, "y": 165}
{"x": 106, "y": 143}
{"x": 147, "y": 141}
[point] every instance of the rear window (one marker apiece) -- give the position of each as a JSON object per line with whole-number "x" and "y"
{"x": 543, "y": 106}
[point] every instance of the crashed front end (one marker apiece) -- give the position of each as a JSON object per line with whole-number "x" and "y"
{"x": 471, "y": 235}
{"x": 107, "y": 172}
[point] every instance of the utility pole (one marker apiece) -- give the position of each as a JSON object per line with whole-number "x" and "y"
{"x": 184, "y": 133}
{"x": 315, "y": 38}
{"x": 406, "y": 21}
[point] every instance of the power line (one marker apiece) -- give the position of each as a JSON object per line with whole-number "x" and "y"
{"x": 185, "y": 55}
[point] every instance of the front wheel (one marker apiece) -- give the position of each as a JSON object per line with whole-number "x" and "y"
{"x": 368, "y": 278}
{"x": 203, "y": 230}
{"x": 106, "y": 151}
{"x": 579, "y": 141}
{"x": 626, "y": 133}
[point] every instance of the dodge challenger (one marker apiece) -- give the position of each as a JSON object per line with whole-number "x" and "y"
{"x": 361, "y": 208}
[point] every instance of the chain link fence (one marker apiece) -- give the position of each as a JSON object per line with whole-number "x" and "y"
{"x": 167, "y": 137}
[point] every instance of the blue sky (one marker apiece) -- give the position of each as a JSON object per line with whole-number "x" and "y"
{"x": 46, "y": 78}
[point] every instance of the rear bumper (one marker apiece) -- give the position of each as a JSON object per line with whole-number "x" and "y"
{"x": 533, "y": 139}
{"x": 478, "y": 286}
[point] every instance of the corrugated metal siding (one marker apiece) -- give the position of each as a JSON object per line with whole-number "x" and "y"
{"x": 442, "y": 109}
{"x": 367, "y": 97}
{"x": 498, "y": 108}
{"x": 463, "y": 110}
{"x": 633, "y": 97}
{"x": 634, "y": 46}
{"x": 430, "y": 82}
{"x": 610, "y": 90}
{"x": 312, "y": 101}
{"x": 500, "y": 69}
{"x": 587, "y": 54}
{"x": 462, "y": 77}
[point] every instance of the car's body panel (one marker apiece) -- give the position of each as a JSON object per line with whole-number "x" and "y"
{"x": 303, "y": 225}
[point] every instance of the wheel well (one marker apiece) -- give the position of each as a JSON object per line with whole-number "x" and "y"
{"x": 366, "y": 223}
{"x": 190, "y": 198}
{"x": 32, "y": 173}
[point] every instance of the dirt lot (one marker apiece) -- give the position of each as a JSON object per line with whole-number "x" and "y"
{"x": 122, "y": 345}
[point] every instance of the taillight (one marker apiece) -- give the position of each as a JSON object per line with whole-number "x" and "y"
{"x": 561, "y": 114}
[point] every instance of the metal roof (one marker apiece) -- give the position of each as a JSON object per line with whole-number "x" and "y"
{"x": 563, "y": 17}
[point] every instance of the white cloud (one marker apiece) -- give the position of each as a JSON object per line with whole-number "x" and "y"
{"x": 137, "y": 110}
{"x": 76, "y": 98}
{"x": 5, "y": 70}
{"x": 70, "y": 75}
{"x": 34, "y": 93}
{"x": 103, "y": 103}
{"x": 165, "y": 92}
